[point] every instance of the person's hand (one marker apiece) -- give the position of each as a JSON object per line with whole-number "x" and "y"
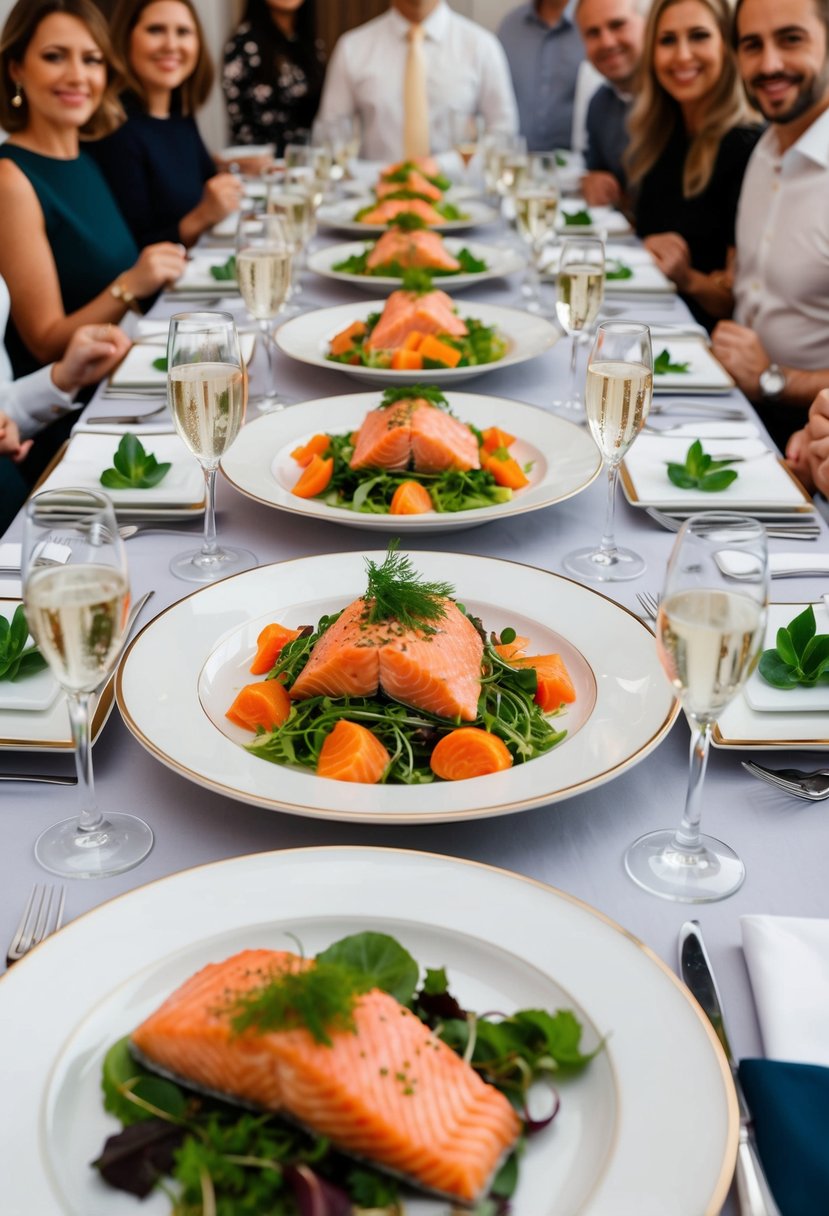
{"x": 93, "y": 351}
{"x": 254, "y": 165}
{"x": 807, "y": 451}
{"x": 742, "y": 355}
{"x": 601, "y": 189}
{"x": 671, "y": 253}
{"x": 10, "y": 443}
{"x": 158, "y": 266}
{"x": 797, "y": 457}
{"x": 222, "y": 196}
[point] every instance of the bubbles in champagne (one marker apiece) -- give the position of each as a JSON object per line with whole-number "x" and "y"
{"x": 77, "y": 614}
{"x": 535, "y": 212}
{"x": 617, "y": 398}
{"x": 207, "y": 401}
{"x": 579, "y": 295}
{"x": 264, "y": 278}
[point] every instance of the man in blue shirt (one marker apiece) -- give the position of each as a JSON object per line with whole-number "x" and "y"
{"x": 544, "y": 50}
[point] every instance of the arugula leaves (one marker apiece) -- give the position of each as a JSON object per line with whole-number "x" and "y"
{"x": 801, "y": 655}
{"x": 575, "y": 219}
{"x": 134, "y": 469}
{"x": 616, "y": 270}
{"x": 701, "y": 472}
{"x": 226, "y": 271}
{"x": 662, "y": 365}
{"x": 17, "y": 659}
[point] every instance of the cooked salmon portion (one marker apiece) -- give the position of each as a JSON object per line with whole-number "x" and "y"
{"x": 385, "y": 212}
{"x": 439, "y": 672}
{"x": 389, "y": 1091}
{"x": 415, "y": 182}
{"x": 421, "y": 250}
{"x": 414, "y": 433}
{"x": 409, "y": 312}
{"x": 426, "y": 164}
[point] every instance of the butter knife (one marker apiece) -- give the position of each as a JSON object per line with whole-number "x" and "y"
{"x": 753, "y": 1192}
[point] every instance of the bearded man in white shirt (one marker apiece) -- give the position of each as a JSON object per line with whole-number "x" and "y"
{"x": 465, "y": 70}
{"x": 777, "y": 348}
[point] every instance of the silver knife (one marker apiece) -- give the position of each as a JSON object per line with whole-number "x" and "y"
{"x": 753, "y": 1192}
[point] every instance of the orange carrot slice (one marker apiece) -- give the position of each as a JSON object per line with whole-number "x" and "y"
{"x": 494, "y": 438}
{"x": 410, "y": 498}
{"x": 315, "y": 477}
{"x": 407, "y": 360}
{"x": 506, "y": 472}
{"x": 352, "y": 753}
{"x": 268, "y": 647}
{"x": 555, "y": 688}
{"x": 265, "y": 704}
{"x": 344, "y": 340}
{"x": 432, "y": 348}
{"x": 469, "y": 752}
{"x": 413, "y": 340}
{"x": 317, "y": 445}
{"x": 510, "y": 651}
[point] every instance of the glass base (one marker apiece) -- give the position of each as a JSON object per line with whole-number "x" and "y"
{"x": 121, "y": 842}
{"x": 271, "y": 403}
{"x": 596, "y": 567}
{"x": 196, "y": 567}
{"x": 700, "y": 876}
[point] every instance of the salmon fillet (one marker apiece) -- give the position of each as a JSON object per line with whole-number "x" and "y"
{"x": 416, "y": 182}
{"x": 408, "y": 312}
{"x": 383, "y": 213}
{"x": 414, "y": 433}
{"x": 439, "y": 672}
{"x": 419, "y": 249}
{"x": 426, "y": 164}
{"x": 390, "y": 1091}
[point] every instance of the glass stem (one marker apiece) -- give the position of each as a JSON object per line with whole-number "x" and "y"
{"x": 574, "y": 355}
{"x": 270, "y": 354}
{"x": 78, "y": 704}
{"x": 209, "y": 545}
{"x": 296, "y": 271}
{"x": 687, "y": 838}
{"x": 607, "y": 547}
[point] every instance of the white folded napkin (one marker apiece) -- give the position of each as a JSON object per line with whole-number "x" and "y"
{"x": 701, "y": 429}
{"x": 738, "y": 564}
{"x": 10, "y": 554}
{"x": 788, "y": 963}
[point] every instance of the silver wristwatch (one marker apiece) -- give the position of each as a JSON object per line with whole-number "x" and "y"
{"x": 772, "y": 382}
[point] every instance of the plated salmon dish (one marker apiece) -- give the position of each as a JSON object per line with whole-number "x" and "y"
{"x": 402, "y": 686}
{"x": 411, "y": 456}
{"x": 411, "y": 192}
{"x": 273, "y": 1082}
{"x": 400, "y": 250}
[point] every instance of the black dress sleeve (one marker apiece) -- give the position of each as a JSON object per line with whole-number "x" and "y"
{"x": 727, "y": 179}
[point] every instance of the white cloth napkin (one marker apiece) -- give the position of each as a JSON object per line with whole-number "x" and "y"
{"x": 788, "y": 963}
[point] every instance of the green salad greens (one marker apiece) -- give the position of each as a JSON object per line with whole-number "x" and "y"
{"x": 662, "y": 365}
{"x": 800, "y": 656}
{"x": 18, "y": 658}
{"x": 133, "y": 467}
{"x": 480, "y": 344}
{"x": 403, "y": 172}
{"x": 701, "y": 472}
{"x": 358, "y": 264}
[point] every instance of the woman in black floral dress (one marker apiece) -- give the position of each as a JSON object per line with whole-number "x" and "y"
{"x": 273, "y": 73}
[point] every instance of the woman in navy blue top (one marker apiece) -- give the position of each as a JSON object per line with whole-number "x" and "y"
{"x": 156, "y": 164}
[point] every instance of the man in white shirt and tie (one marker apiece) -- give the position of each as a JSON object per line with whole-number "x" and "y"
{"x": 418, "y": 50}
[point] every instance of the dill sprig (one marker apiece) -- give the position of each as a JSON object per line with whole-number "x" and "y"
{"x": 411, "y": 391}
{"x": 319, "y": 999}
{"x": 397, "y": 592}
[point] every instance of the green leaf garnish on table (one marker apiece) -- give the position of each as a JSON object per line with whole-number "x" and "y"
{"x": 617, "y": 270}
{"x": 160, "y": 364}
{"x": 17, "y": 658}
{"x": 560, "y": 160}
{"x": 801, "y": 656}
{"x": 574, "y": 219}
{"x": 662, "y": 365}
{"x": 701, "y": 472}
{"x": 226, "y": 271}
{"x": 134, "y": 469}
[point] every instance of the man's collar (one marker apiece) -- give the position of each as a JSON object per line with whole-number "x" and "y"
{"x": 433, "y": 27}
{"x": 814, "y": 142}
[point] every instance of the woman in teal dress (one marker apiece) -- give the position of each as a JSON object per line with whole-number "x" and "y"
{"x": 66, "y": 252}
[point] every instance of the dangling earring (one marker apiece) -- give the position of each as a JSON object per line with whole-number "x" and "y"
{"x": 17, "y": 100}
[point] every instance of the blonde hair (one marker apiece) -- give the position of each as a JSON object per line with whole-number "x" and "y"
{"x": 655, "y": 114}
{"x": 195, "y": 90}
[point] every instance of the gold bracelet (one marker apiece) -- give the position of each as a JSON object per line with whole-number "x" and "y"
{"x": 124, "y": 295}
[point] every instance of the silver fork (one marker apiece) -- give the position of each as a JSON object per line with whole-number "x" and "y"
{"x": 650, "y": 604}
{"x": 42, "y": 916}
{"x": 126, "y": 419}
{"x": 814, "y": 786}
{"x": 796, "y": 529}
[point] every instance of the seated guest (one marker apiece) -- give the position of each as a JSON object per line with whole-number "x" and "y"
{"x": 544, "y": 51}
{"x": 454, "y": 64}
{"x": 66, "y": 252}
{"x": 808, "y": 449}
{"x": 613, "y": 32}
{"x": 273, "y": 72}
{"x": 690, "y": 139}
{"x": 777, "y": 347}
{"x": 156, "y": 164}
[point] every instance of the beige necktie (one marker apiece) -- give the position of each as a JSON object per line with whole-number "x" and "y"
{"x": 415, "y": 101}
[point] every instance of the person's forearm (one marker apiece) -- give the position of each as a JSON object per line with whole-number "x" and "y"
{"x": 191, "y": 226}
{"x": 803, "y": 386}
{"x": 712, "y": 292}
{"x": 50, "y": 341}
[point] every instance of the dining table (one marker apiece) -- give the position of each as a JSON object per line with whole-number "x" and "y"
{"x": 576, "y": 844}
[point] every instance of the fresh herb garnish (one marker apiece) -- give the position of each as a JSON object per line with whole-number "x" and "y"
{"x": 561, "y": 161}
{"x": 160, "y": 364}
{"x": 662, "y": 365}
{"x": 617, "y": 270}
{"x": 397, "y": 592}
{"x": 134, "y": 469}
{"x": 380, "y": 958}
{"x": 411, "y": 391}
{"x": 575, "y": 219}
{"x": 417, "y": 280}
{"x": 701, "y": 472}
{"x": 226, "y": 271}
{"x": 17, "y": 658}
{"x": 800, "y": 657}
{"x": 319, "y": 998}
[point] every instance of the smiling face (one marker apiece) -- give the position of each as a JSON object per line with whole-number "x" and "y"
{"x": 164, "y": 46}
{"x": 63, "y": 72}
{"x": 783, "y": 58}
{"x": 689, "y": 53}
{"x": 613, "y": 33}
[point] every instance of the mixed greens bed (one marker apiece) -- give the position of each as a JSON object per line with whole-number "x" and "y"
{"x": 481, "y": 344}
{"x": 447, "y": 211}
{"x": 358, "y": 264}
{"x": 209, "y": 1156}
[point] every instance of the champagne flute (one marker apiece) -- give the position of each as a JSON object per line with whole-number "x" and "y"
{"x": 294, "y": 207}
{"x": 535, "y": 194}
{"x": 77, "y": 596}
{"x": 709, "y": 636}
{"x": 465, "y": 132}
{"x": 207, "y": 391}
{"x": 617, "y": 399}
{"x": 514, "y": 161}
{"x": 263, "y": 269}
{"x": 579, "y": 296}
{"x": 302, "y": 171}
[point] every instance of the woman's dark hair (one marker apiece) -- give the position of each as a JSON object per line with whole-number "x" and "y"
{"x": 21, "y": 25}
{"x": 195, "y": 90}
{"x": 301, "y": 49}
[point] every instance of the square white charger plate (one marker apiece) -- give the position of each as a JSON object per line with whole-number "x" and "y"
{"x": 87, "y": 455}
{"x": 646, "y": 277}
{"x": 34, "y": 693}
{"x": 136, "y": 369}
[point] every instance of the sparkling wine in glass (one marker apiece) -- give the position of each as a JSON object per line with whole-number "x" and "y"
{"x": 264, "y": 254}
{"x": 465, "y": 132}
{"x": 294, "y": 207}
{"x": 617, "y": 398}
{"x": 579, "y": 296}
{"x": 77, "y": 595}
{"x": 207, "y": 392}
{"x": 709, "y": 632}
{"x": 536, "y": 196}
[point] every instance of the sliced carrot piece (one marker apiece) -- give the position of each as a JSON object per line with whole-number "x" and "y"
{"x": 494, "y": 438}
{"x": 344, "y": 340}
{"x": 507, "y": 472}
{"x": 315, "y": 477}
{"x": 265, "y": 704}
{"x": 406, "y": 360}
{"x": 410, "y": 498}
{"x": 352, "y": 753}
{"x": 432, "y": 348}
{"x": 317, "y": 445}
{"x": 268, "y": 647}
{"x": 469, "y": 752}
{"x": 555, "y": 688}
{"x": 413, "y": 340}
{"x": 512, "y": 650}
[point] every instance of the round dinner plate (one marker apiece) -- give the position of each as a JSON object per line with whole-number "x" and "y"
{"x": 306, "y": 338}
{"x": 620, "y": 1141}
{"x": 183, "y": 670}
{"x": 341, "y": 216}
{"x": 563, "y": 457}
{"x": 499, "y": 261}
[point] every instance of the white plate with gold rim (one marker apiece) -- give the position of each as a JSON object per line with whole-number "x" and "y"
{"x": 499, "y": 262}
{"x": 199, "y": 651}
{"x": 619, "y": 1143}
{"x": 563, "y": 459}
{"x": 341, "y": 216}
